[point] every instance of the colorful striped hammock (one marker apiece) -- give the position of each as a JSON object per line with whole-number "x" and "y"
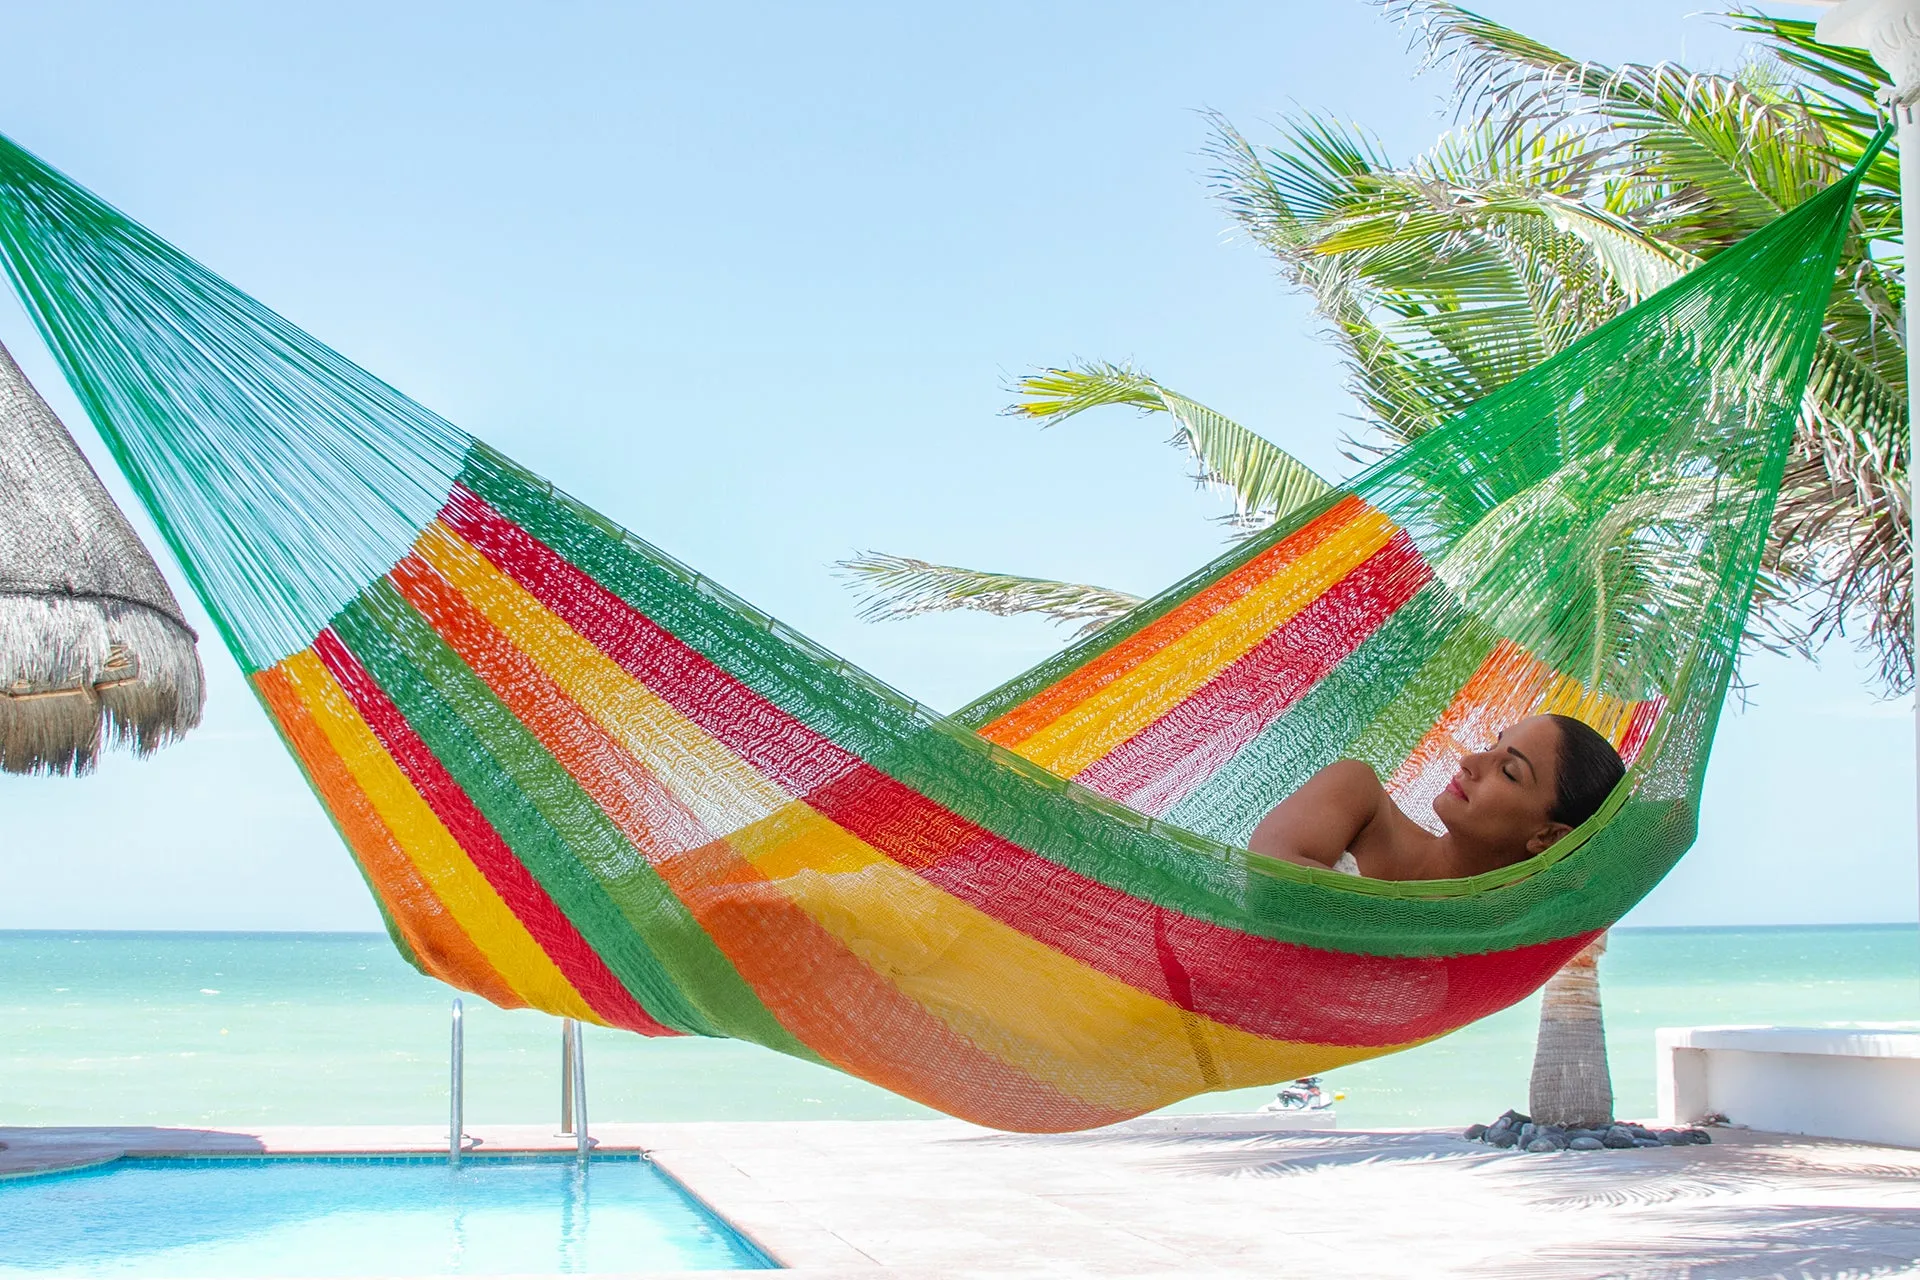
{"x": 580, "y": 777}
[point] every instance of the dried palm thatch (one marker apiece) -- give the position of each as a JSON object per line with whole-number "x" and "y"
{"x": 93, "y": 646}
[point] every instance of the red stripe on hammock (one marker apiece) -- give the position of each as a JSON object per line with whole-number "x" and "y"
{"x": 509, "y": 877}
{"x": 1158, "y": 766}
{"x": 1281, "y": 990}
{"x": 1017, "y": 724}
{"x": 439, "y": 942}
{"x": 1640, "y": 727}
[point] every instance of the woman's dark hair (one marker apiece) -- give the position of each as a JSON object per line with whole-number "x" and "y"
{"x": 1589, "y": 771}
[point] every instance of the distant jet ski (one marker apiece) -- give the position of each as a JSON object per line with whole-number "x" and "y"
{"x": 1304, "y": 1094}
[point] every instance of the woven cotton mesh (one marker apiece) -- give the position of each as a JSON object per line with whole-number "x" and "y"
{"x": 579, "y": 776}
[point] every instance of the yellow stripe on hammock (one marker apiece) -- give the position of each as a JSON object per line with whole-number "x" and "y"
{"x": 1102, "y": 722}
{"x": 442, "y": 863}
{"x": 1034, "y": 1007}
{"x": 722, "y": 791}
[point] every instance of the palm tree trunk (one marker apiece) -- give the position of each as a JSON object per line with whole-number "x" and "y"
{"x": 1571, "y": 1085}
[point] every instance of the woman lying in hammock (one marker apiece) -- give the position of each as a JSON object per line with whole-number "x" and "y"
{"x": 1541, "y": 778}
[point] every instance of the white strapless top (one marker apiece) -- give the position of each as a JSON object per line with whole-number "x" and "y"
{"x": 1347, "y": 865}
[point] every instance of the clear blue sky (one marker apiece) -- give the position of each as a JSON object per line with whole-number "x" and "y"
{"x": 751, "y": 279}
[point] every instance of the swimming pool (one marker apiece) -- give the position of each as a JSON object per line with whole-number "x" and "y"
{"x": 361, "y": 1216}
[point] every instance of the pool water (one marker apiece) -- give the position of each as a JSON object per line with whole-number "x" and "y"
{"x": 362, "y": 1216}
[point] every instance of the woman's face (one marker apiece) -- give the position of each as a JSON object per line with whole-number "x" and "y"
{"x": 1501, "y": 797}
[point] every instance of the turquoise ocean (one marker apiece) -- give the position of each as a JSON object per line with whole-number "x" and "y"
{"x": 205, "y": 1029}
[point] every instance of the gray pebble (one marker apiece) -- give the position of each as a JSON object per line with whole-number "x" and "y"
{"x": 1617, "y": 1138}
{"x": 1543, "y": 1144}
{"x": 1646, "y": 1142}
{"x": 1502, "y": 1138}
{"x": 1699, "y": 1137}
{"x": 1528, "y": 1132}
{"x": 1584, "y": 1142}
{"x": 1475, "y": 1132}
{"x": 1672, "y": 1138}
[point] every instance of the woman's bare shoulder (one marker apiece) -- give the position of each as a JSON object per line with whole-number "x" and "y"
{"x": 1355, "y": 776}
{"x": 1317, "y": 823}
{"x": 1345, "y": 786}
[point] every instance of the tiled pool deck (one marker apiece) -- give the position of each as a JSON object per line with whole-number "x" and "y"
{"x": 870, "y": 1200}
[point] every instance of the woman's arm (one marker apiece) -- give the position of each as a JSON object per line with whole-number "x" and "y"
{"x": 1321, "y": 821}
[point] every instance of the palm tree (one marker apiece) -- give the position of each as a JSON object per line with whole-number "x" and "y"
{"x": 1570, "y": 191}
{"x": 1571, "y": 1084}
{"x": 1567, "y": 192}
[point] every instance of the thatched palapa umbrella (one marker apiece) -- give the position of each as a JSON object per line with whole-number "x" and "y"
{"x": 92, "y": 643}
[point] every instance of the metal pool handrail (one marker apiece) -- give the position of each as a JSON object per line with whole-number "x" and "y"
{"x": 456, "y": 1118}
{"x": 576, "y": 1111}
{"x": 573, "y": 1086}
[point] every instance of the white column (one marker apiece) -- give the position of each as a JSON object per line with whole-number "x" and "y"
{"x": 1890, "y": 31}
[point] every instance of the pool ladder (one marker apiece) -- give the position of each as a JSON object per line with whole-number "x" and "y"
{"x": 573, "y": 1087}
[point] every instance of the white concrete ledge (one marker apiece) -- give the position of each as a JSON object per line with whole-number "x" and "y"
{"x": 1846, "y": 1042}
{"x": 1857, "y": 1083}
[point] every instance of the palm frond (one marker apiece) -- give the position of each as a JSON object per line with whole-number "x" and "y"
{"x": 1265, "y": 480}
{"x": 893, "y": 587}
{"x": 1731, "y": 154}
{"x": 1634, "y": 262}
{"x": 1051, "y": 396}
{"x": 1448, "y": 278}
{"x": 1849, "y": 77}
{"x": 1842, "y": 88}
